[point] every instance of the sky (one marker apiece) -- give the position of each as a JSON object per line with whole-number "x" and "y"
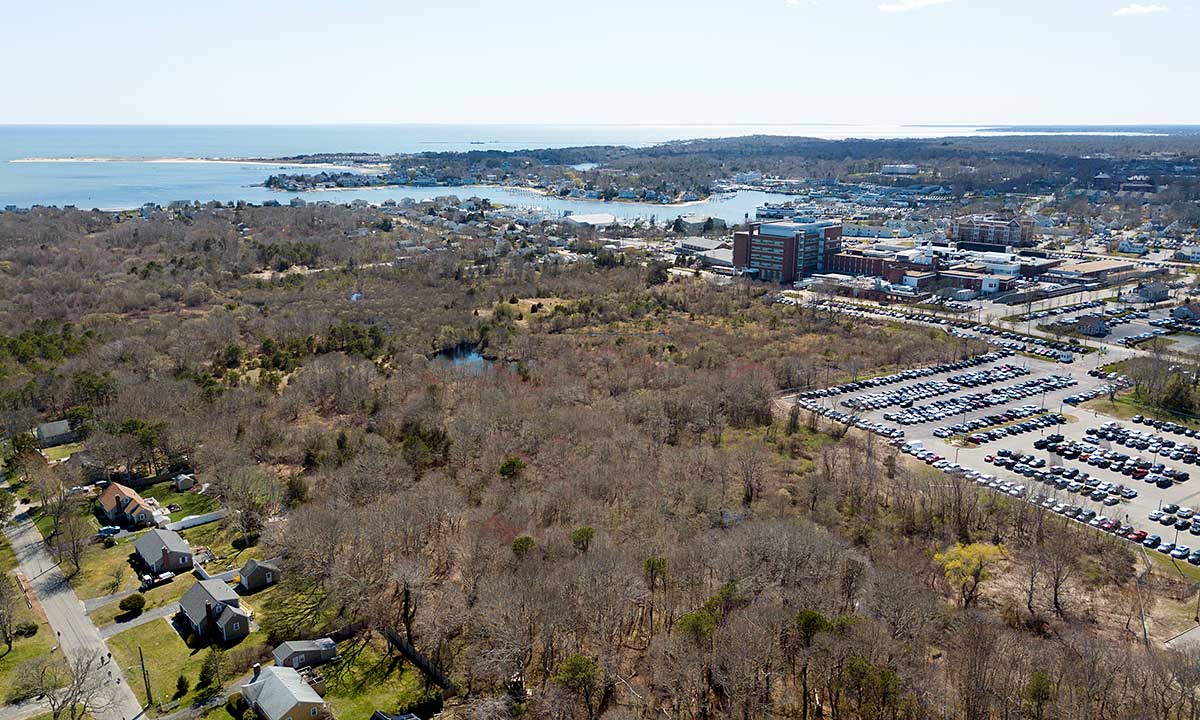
{"x": 617, "y": 61}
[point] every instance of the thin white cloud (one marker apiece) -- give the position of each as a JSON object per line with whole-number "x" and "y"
{"x": 803, "y": 3}
{"x": 1138, "y": 9}
{"x": 907, "y": 5}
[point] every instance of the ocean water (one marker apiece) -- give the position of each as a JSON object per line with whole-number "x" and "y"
{"x": 111, "y": 167}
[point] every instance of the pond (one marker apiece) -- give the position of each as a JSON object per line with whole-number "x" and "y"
{"x": 465, "y": 356}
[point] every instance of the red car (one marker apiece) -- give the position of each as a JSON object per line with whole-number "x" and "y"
{"x": 987, "y": 458}
{"x": 1137, "y": 536}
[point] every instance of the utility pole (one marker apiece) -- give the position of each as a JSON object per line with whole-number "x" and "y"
{"x": 145, "y": 677}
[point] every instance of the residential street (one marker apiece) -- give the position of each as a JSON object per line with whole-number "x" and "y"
{"x": 76, "y": 634}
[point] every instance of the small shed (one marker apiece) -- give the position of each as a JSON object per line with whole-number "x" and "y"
{"x": 305, "y": 653}
{"x": 257, "y": 574}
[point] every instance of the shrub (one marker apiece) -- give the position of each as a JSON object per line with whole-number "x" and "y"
{"x": 134, "y": 604}
{"x": 182, "y": 685}
{"x": 25, "y": 629}
{"x": 511, "y": 468}
{"x": 522, "y": 545}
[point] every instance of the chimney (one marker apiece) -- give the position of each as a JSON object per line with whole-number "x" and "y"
{"x": 257, "y": 670}
{"x": 166, "y": 560}
{"x": 208, "y": 614}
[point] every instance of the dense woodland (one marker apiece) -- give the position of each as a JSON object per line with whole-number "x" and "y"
{"x": 615, "y": 519}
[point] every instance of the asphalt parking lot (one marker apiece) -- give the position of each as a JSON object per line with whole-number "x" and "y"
{"x": 880, "y": 416}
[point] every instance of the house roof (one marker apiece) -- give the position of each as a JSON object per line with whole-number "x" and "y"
{"x": 109, "y": 498}
{"x": 277, "y": 690}
{"x": 53, "y": 429}
{"x": 199, "y": 595}
{"x": 252, "y": 565}
{"x": 150, "y": 545}
{"x": 302, "y": 646}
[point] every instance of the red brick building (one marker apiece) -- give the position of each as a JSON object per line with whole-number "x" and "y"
{"x": 785, "y": 251}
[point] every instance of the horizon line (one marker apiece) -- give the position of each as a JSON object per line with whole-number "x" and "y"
{"x": 385, "y": 123}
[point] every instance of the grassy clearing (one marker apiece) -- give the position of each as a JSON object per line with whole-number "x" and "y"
{"x": 1173, "y": 567}
{"x": 1127, "y": 405}
{"x": 97, "y": 571}
{"x": 155, "y": 598}
{"x": 190, "y": 503}
{"x": 167, "y": 657}
{"x": 368, "y": 679}
{"x": 23, "y": 648}
{"x": 62, "y": 452}
{"x": 224, "y": 544}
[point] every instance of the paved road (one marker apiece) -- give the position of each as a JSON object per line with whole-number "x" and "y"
{"x": 165, "y": 611}
{"x": 77, "y": 636}
{"x": 33, "y": 708}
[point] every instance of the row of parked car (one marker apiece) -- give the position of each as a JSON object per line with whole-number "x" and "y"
{"x": 1142, "y": 337}
{"x": 1061, "y": 477}
{"x": 1171, "y": 324}
{"x": 1113, "y": 386}
{"x": 1138, "y": 468}
{"x": 1073, "y": 346}
{"x": 1149, "y": 442}
{"x": 942, "y": 409}
{"x": 1000, "y": 373}
{"x": 905, "y": 375}
{"x": 1041, "y": 422}
{"x": 987, "y": 421}
{"x": 1064, "y": 310}
{"x": 1053, "y": 350}
{"x": 905, "y": 396}
{"x": 902, "y": 396}
{"x": 850, "y": 420}
{"x": 1165, "y": 425}
{"x": 865, "y": 311}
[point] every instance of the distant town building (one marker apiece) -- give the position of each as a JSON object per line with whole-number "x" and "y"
{"x": 787, "y": 250}
{"x": 1132, "y": 247}
{"x": 900, "y": 170}
{"x": 1153, "y": 292}
{"x": 599, "y": 221}
{"x": 991, "y": 229}
{"x": 1188, "y": 253}
{"x": 1092, "y": 326}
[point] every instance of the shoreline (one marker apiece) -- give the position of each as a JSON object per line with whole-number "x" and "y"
{"x": 528, "y": 190}
{"x": 201, "y": 161}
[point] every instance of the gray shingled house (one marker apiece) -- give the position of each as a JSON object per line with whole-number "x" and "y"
{"x": 164, "y": 550}
{"x": 214, "y": 612}
{"x": 280, "y": 693}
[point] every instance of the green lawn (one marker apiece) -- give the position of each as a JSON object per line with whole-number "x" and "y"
{"x": 1171, "y": 566}
{"x": 224, "y": 544}
{"x": 96, "y": 571}
{"x": 167, "y": 657}
{"x": 155, "y": 598}
{"x": 62, "y": 452}
{"x": 23, "y": 648}
{"x": 367, "y": 679}
{"x": 190, "y": 503}
{"x": 1128, "y": 405}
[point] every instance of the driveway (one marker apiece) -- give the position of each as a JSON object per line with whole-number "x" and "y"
{"x": 76, "y": 634}
{"x": 165, "y": 611}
